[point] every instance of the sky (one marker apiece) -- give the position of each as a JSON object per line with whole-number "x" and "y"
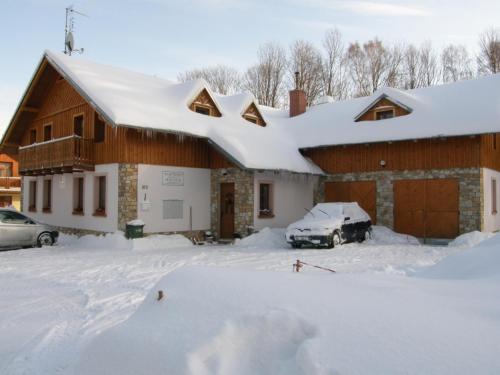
{"x": 165, "y": 37}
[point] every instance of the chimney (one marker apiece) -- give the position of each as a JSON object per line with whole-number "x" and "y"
{"x": 298, "y": 100}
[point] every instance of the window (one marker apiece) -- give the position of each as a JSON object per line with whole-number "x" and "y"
{"x": 100, "y": 196}
{"x": 32, "y": 136}
{"x": 5, "y": 169}
{"x": 47, "y": 195}
{"x": 173, "y": 209}
{"x": 385, "y": 114}
{"x": 47, "y": 133}
{"x": 78, "y": 125}
{"x": 251, "y": 119}
{"x": 493, "y": 196}
{"x": 32, "y": 196}
{"x": 13, "y": 217}
{"x": 99, "y": 129}
{"x": 265, "y": 200}
{"x": 78, "y": 186}
{"x": 202, "y": 110}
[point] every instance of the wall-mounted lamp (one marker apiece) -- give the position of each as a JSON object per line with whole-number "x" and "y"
{"x": 382, "y": 163}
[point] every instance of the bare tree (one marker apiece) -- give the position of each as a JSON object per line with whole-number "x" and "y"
{"x": 221, "y": 78}
{"x": 266, "y": 78}
{"x": 357, "y": 68}
{"x": 428, "y": 66}
{"x": 334, "y": 73}
{"x": 306, "y": 59}
{"x": 410, "y": 69}
{"x": 488, "y": 59}
{"x": 394, "y": 70}
{"x": 455, "y": 63}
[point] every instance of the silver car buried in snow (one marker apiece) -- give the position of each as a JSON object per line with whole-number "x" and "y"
{"x": 18, "y": 230}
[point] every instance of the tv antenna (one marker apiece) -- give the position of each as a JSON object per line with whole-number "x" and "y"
{"x": 69, "y": 29}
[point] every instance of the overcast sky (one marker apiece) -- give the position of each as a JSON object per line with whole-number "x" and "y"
{"x": 165, "y": 37}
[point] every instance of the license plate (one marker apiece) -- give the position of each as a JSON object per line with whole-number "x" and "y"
{"x": 302, "y": 238}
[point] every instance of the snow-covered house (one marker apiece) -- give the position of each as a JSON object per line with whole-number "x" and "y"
{"x": 99, "y": 146}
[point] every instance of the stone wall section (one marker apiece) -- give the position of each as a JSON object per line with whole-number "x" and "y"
{"x": 470, "y": 192}
{"x": 243, "y": 197}
{"x": 127, "y": 194}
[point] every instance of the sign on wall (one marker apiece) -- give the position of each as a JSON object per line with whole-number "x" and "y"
{"x": 173, "y": 178}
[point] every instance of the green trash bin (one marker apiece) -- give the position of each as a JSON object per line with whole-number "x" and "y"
{"x": 134, "y": 229}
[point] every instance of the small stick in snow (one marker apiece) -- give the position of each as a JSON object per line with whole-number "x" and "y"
{"x": 297, "y": 266}
{"x": 160, "y": 295}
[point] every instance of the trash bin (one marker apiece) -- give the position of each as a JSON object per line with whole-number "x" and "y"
{"x": 134, "y": 229}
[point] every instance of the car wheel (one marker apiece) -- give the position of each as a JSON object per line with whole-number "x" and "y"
{"x": 367, "y": 235}
{"x": 336, "y": 239}
{"x": 45, "y": 239}
{"x": 295, "y": 245}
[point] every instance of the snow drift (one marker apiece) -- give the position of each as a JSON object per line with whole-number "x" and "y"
{"x": 480, "y": 261}
{"x": 234, "y": 321}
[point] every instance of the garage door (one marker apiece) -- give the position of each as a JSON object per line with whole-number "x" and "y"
{"x": 426, "y": 208}
{"x": 363, "y": 192}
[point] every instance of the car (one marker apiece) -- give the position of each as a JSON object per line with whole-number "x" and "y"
{"x": 18, "y": 230}
{"x": 329, "y": 225}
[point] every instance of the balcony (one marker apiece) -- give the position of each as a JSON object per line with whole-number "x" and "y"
{"x": 62, "y": 155}
{"x": 10, "y": 184}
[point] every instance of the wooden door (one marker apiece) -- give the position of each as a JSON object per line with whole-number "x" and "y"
{"x": 363, "y": 192}
{"x": 227, "y": 210}
{"x": 427, "y": 208}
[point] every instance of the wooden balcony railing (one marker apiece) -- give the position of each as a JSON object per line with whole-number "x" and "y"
{"x": 68, "y": 154}
{"x": 10, "y": 183}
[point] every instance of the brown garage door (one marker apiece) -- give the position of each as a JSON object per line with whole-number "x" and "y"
{"x": 363, "y": 192}
{"x": 426, "y": 208}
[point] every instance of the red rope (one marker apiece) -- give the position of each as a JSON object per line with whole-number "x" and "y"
{"x": 297, "y": 266}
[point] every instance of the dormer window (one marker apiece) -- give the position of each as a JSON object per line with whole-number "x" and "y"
{"x": 383, "y": 108}
{"x": 205, "y": 105}
{"x": 253, "y": 115}
{"x": 382, "y": 114}
{"x": 202, "y": 110}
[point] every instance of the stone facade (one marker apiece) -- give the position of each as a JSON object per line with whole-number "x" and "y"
{"x": 127, "y": 194}
{"x": 243, "y": 199}
{"x": 470, "y": 192}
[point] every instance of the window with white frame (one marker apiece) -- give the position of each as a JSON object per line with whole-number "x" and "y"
{"x": 100, "y": 196}
{"x": 78, "y": 187}
{"x": 173, "y": 209}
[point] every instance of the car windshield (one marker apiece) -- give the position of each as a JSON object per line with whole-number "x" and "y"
{"x": 325, "y": 210}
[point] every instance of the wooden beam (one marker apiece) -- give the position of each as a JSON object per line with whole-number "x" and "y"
{"x": 30, "y": 109}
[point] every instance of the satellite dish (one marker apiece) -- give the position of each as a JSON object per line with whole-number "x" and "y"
{"x": 70, "y": 41}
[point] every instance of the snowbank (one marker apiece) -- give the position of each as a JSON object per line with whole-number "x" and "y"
{"x": 470, "y": 239}
{"x": 269, "y": 238}
{"x": 118, "y": 241}
{"x": 384, "y": 236}
{"x": 480, "y": 261}
{"x": 227, "y": 321}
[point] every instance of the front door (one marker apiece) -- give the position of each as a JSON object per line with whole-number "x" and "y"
{"x": 227, "y": 210}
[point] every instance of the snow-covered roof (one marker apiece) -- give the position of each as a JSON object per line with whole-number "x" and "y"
{"x": 133, "y": 99}
{"x": 461, "y": 108}
{"x": 128, "y": 98}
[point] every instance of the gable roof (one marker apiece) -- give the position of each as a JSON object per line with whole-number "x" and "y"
{"x": 455, "y": 109}
{"x": 126, "y": 98}
{"x": 377, "y": 100}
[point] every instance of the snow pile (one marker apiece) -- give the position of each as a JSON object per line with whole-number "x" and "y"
{"x": 118, "y": 241}
{"x": 235, "y": 321}
{"x": 470, "y": 239}
{"x": 159, "y": 242}
{"x": 269, "y": 238}
{"x": 481, "y": 261}
{"x": 384, "y": 236}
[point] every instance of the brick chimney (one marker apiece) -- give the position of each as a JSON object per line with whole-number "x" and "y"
{"x": 298, "y": 100}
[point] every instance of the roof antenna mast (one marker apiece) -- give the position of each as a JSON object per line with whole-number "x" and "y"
{"x": 69, "y": 40}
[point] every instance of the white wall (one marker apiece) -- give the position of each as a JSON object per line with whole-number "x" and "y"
{"x": 491, "y": 221}
{"x": 194, "y": 191}
{"x": 291, "y": 194}
{"x": 62, "y": 200}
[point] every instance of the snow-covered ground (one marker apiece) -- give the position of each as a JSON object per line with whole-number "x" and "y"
{"x": 88, "y": 305}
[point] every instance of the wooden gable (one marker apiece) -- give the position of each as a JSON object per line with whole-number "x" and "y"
{"x": 382, "y": 109}
{"x": 204, "y": 104}
{"x": 252, "y": 114}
